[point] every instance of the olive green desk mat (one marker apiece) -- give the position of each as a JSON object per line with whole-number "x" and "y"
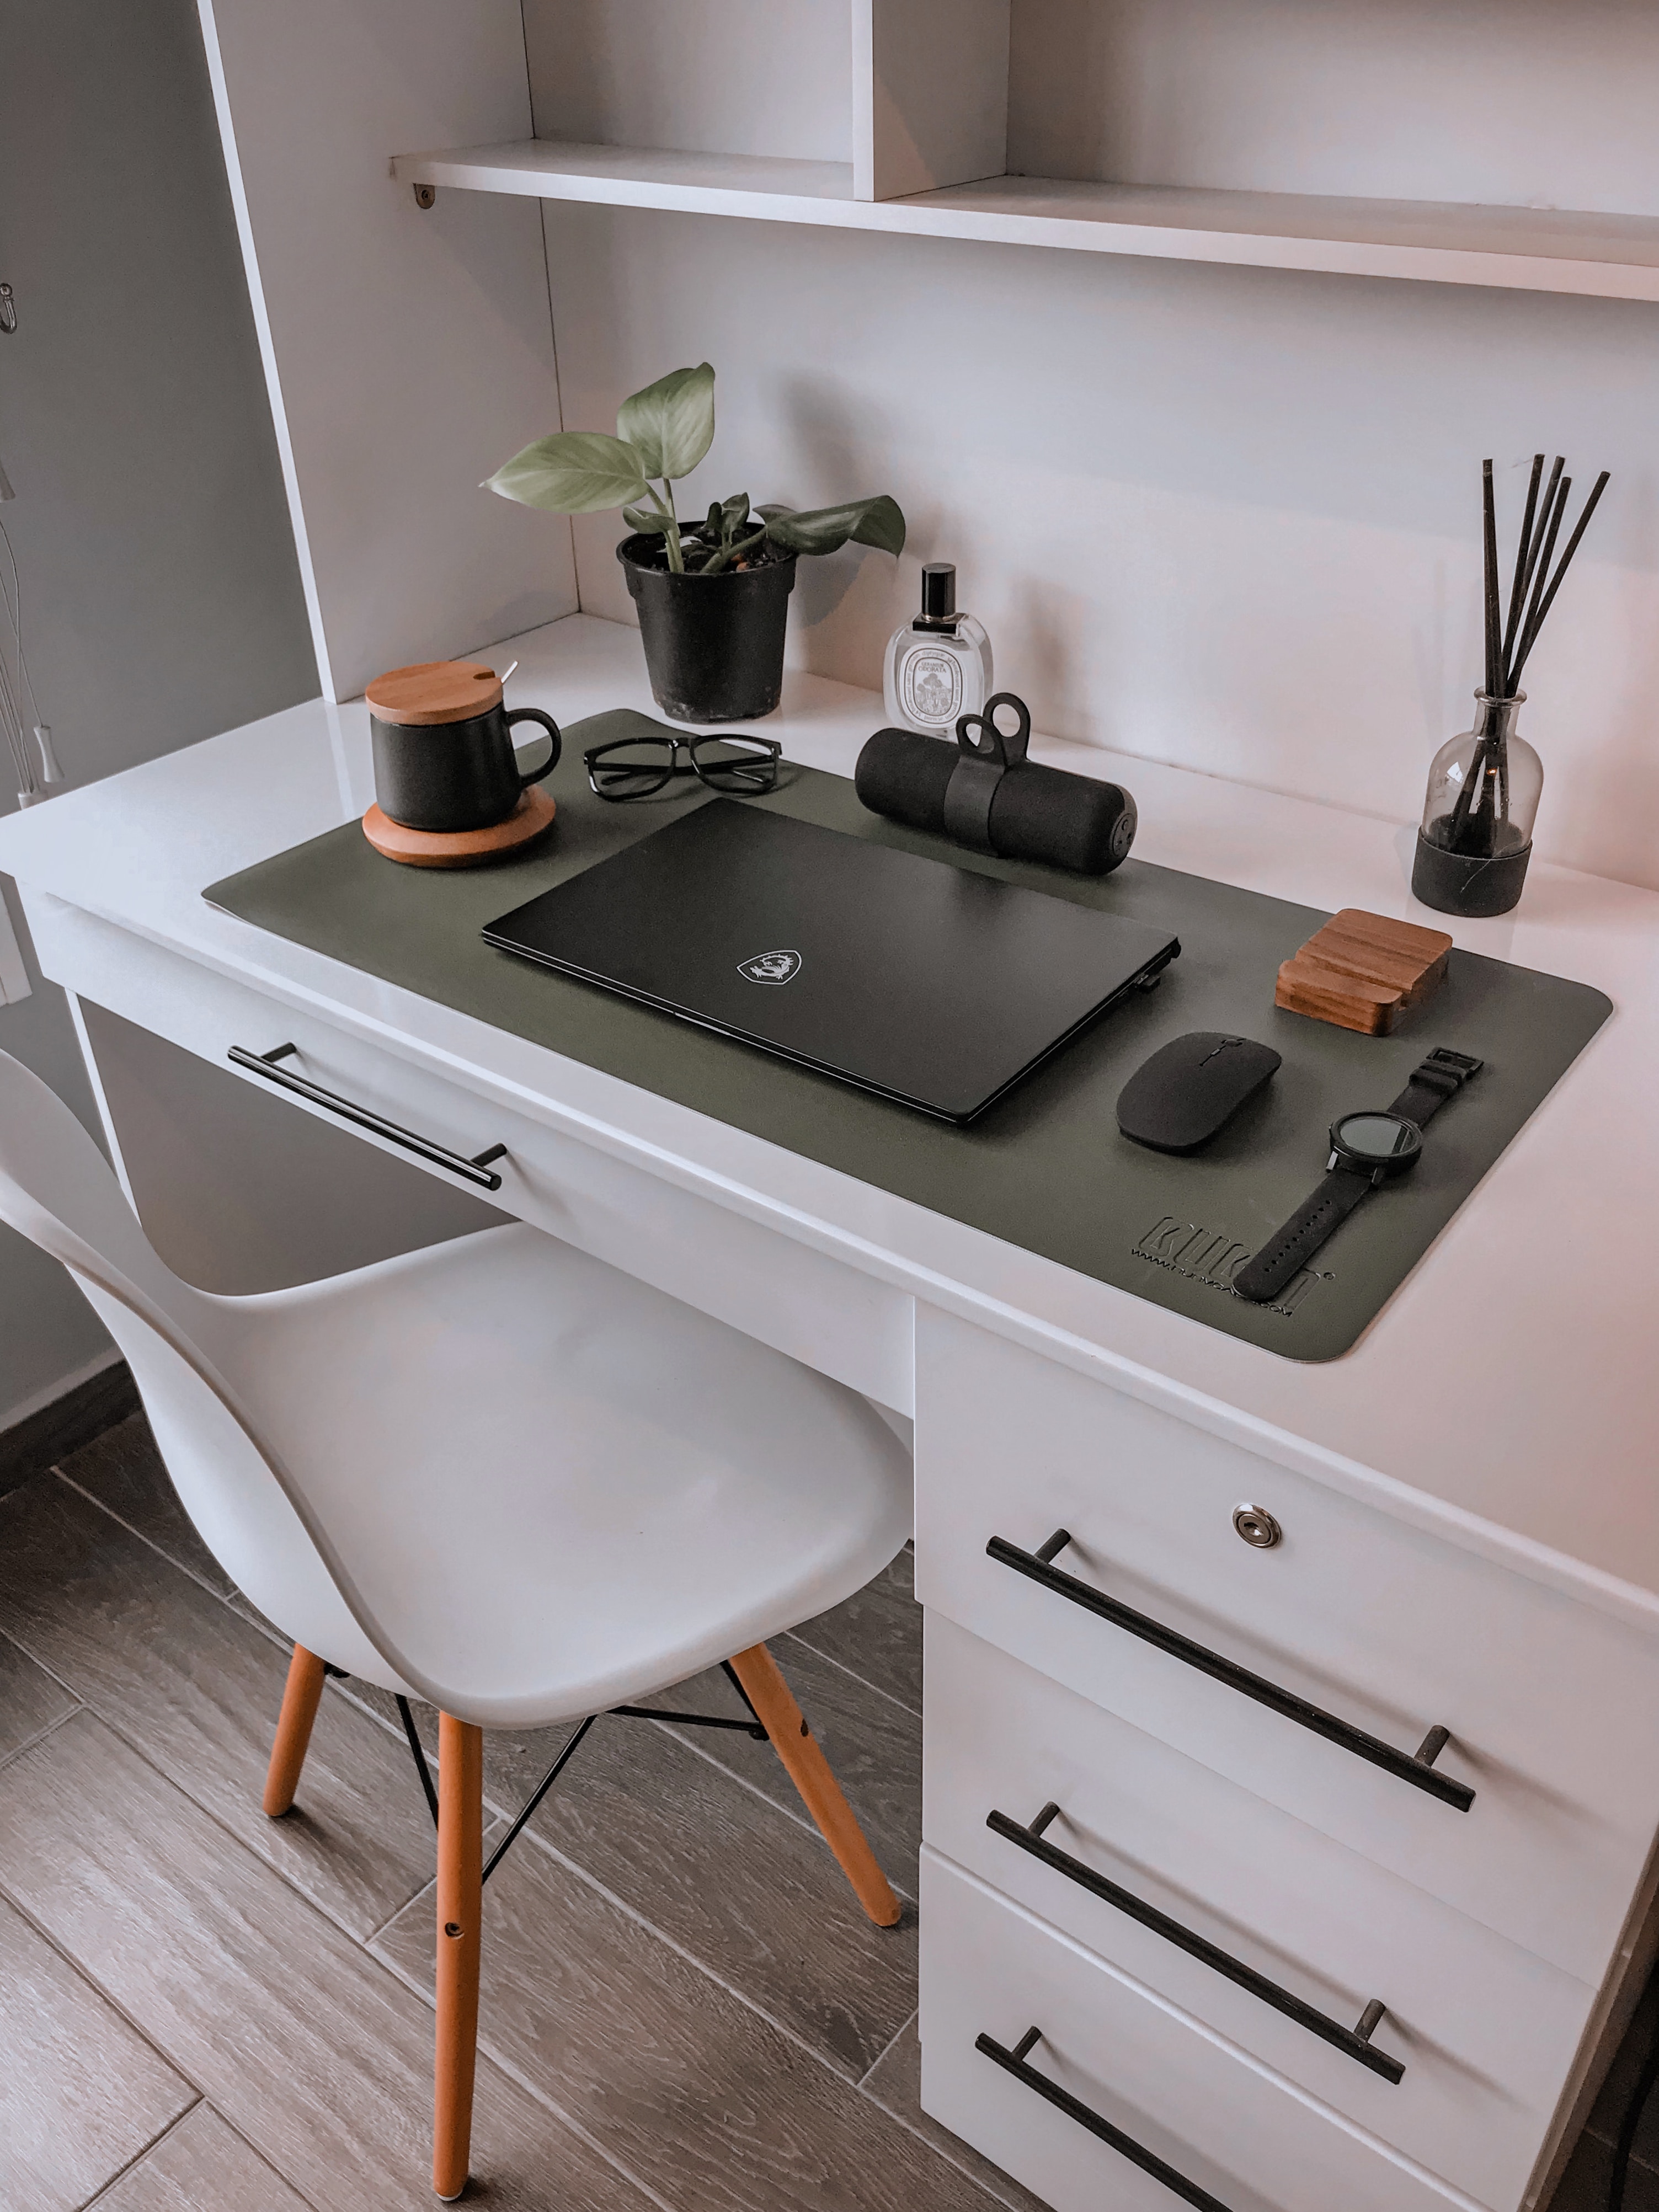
{"x": 1046, "y": 1169}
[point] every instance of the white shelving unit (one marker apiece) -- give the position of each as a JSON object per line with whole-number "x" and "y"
{"x": 1228, "y": 465}
{"x": 1613, "y": 257}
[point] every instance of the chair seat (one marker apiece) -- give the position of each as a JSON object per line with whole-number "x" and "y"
{"x": 559, "y": 1490}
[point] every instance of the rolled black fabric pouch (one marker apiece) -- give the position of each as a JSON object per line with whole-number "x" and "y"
{"x": 983, "y": 793}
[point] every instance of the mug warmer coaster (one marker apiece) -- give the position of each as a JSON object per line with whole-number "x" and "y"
{"x": 1045, "y": 1169}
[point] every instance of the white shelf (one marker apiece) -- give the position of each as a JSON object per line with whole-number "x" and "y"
{"x": 1613, "y": 257}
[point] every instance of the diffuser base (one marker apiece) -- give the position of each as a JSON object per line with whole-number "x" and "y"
{"x": 1464, "y": 883}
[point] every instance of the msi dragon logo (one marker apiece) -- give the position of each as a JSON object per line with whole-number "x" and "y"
{"x": 770, "y": 968}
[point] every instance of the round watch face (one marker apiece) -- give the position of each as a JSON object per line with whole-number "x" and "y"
{"x": 1377, "y": 1140}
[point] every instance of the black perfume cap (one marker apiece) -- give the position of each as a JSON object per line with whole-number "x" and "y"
{"x": 938, "y": 591}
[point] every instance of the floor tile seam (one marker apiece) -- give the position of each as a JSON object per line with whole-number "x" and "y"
{"x": 250, "y": 1619}
{"x": 794, "y": 1636}
{"x": 207, "y": 1813}
{"x": 145, "y": 2035}
{"x": 83, "y": 1972}
{"x": 1610, "y": 2142}
{"x": 206, "y": 2104}
{"x": 801, "y": 1819}
{"x": 35, "y": 1659}
{"x": 632, "y": 1913}
{"x": 200, "y": 1581}
{"x": 669, "y": 1943}
{"x": 575, "y": 1867}
{"x": 975, "y": 2180}
{"x": 40, "y": 1736}
{"x": 138, "y": 2158}
{"x": 533, "y": 2090}
{"x": 91, "y": 1704}
{"x": 888, "y": 2048}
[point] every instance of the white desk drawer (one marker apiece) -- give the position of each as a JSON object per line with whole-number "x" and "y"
{"x": 1227, "y": 2126}
{"x": 1552, "y": 1705}
{"x": 802, "y": 1302}
{"x": 1486, "y": 2032}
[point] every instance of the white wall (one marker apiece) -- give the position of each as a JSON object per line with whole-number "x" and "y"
{"x": 1536, "y": 103}
{"x": 721, "y": 77}
{"x": 1227, "y": 518}
{"x": 161, "y": 599}
{"x": 409, "y": 353}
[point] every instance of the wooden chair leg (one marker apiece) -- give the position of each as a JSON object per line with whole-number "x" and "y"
{"x": 809, "y": 1770}
{"x": 460, "y": 1907}
{"x": 300, "y": 1699}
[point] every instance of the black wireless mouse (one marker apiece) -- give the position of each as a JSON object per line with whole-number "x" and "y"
{"x": 1178, "y": 1099}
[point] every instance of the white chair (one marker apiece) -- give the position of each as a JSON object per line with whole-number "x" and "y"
{"x": 498, "y": 1475}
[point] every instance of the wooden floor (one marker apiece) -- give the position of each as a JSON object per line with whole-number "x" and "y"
{"x": 202, "y": 2010}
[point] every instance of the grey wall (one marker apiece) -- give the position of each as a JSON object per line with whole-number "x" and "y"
{"x": 161, "y": 599}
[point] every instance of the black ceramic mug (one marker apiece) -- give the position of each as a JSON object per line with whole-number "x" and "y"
{"x": 443, "y": 747}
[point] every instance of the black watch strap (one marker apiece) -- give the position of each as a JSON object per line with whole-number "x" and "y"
{"x": 1437, "y": 1078}
{"x": 1286, "y": 1252}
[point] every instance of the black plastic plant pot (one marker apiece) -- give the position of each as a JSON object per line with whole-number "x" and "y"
{"x": 713, "y": 645}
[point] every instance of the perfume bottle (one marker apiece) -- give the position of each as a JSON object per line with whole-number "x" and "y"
{"x": 938, "y": 667}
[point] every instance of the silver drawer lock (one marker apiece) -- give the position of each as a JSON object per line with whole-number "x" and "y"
{"x": 1257, "y": 1526}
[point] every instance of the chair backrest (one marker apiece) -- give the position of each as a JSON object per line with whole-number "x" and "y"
{"x": 56, "y": 1188}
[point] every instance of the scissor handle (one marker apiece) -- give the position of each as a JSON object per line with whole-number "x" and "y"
{"x": 1005, "y": 747}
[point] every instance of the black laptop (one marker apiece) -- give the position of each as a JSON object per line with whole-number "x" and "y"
{"x": 908, "y": 976}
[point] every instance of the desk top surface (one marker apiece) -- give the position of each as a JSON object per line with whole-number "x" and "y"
{"x": 1512, "y": 1381}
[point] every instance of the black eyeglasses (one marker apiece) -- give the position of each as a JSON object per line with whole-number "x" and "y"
{"x": 634, "y": 768}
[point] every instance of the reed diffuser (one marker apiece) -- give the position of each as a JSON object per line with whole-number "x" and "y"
{"x": 1475, "y": 838}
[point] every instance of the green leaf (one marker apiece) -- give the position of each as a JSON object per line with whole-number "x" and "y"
{"x": 876, "y": 522}
{"x": 645, "y": 517}
{"x": 671, "y": 423}
{"x": 572, "y": 472}
{"x": 882, "y": 524}
{"x": 736, "y": 511}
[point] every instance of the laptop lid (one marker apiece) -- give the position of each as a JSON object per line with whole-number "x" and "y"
{"x": 922, "y": 981}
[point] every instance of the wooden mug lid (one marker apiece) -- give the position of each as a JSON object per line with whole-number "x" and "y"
{"x": 434, "y": 691}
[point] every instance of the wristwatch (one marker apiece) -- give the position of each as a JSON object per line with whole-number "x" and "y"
{"x": 1366, "y": 1150}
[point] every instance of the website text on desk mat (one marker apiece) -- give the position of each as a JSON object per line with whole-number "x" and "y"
{"x": 1045, "y": 1169}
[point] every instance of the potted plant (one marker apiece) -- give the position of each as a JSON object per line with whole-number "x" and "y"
{"x": 714, "y": 595}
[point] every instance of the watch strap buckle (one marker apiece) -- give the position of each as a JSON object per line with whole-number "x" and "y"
{"x": 1458, "y": 1065}
{"x": 1439, "y": 1075}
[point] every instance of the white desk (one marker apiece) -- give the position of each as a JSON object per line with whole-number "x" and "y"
{"x": 1470, "y": 1533}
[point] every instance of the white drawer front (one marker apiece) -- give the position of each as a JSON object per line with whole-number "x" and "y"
{"x": 1224, "y": 2123}
{"x": 1486, "y": 2032}
{"x": 800, "y": 1301}
{"x": 1551, "y": 1706}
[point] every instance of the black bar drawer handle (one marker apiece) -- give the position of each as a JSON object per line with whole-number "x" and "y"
{"x": 1356, "y": 2041}
{"x": 1013, "y": 2061}
{"x": 1418, "y": 1769}
{"x": 477, "y": 1169}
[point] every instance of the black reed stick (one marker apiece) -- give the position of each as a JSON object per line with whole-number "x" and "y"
{"x": 1472, "y": 783}
{"x": 1523, "y": 547}
{"x": 1536, "y": 546}
{"x": 1549, "y": 528}
{"x": 1529, "y": 635}
{"x": 1489, "y": 519}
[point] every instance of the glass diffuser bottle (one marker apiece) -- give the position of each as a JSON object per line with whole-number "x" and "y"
{"x": 1475, "y": 838}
